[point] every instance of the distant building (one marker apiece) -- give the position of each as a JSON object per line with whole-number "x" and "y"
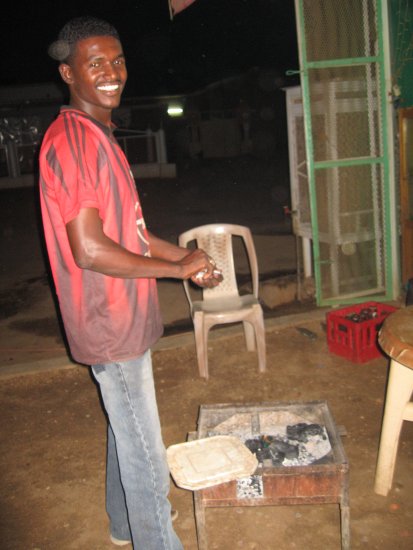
{"x": 241, "y": 114}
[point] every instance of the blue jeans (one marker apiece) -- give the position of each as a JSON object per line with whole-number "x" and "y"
{"x": 137, "y": 474}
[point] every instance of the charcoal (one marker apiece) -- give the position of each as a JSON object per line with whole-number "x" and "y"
{"x": 253, "y": 445}
{"x": 263, "y": 454}
{"x": 281, "y": 447}
{"x": 301, "y": 432}
{"x": 277, "y": 458}
{"x": 269, "y": 447}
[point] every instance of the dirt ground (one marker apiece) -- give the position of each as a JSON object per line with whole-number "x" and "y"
{"x": 53, "y": 448}
{"x": 52, "y": 458}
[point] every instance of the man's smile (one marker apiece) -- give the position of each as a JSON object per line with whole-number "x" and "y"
{"x": 109, "y": 87}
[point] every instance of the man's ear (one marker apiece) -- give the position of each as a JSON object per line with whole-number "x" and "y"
{"x": 66, "y": 73}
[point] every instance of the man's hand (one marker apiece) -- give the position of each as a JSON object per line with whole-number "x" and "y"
{"x": 201, "y": 269}
{"x": 202, "y": 280}
{"x": 208, "y": 279}
{"x": 195, "y": 262}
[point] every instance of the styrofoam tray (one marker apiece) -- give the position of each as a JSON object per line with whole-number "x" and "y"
{"x": 209, "y": 461}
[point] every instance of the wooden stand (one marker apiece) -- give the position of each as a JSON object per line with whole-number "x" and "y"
{"x": 396, "y": 340}
{"x": 324, "y": 483}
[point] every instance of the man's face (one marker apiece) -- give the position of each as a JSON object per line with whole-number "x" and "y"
{"x": 96, "y": 76}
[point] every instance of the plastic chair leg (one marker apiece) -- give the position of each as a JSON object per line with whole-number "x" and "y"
{"x": 261, "y": 346}
{"x": 249, "y": 331}
{"x": 201, "y": 345}
{"x": 399, "y": 391}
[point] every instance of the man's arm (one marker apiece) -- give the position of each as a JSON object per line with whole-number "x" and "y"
{"x": 93, "y": 250}
{"x": 165, "y": 250}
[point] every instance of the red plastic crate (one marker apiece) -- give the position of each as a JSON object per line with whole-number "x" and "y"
{"x": 356, "y": 341}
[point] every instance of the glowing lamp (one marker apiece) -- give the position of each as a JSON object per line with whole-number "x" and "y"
{"x": 175, "y": 110}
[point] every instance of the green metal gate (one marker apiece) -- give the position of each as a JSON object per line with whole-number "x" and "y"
{"x": 346, "y": 115}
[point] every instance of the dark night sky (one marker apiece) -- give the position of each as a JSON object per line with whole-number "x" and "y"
{"x": 211, "y": 39}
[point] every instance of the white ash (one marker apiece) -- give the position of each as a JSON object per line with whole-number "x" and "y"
{"x": 250, "y": 487}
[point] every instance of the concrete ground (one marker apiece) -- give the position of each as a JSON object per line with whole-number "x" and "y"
{"x": 53, "y": 437}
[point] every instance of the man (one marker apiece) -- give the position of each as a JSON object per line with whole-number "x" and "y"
{"x": 104, "y": 263}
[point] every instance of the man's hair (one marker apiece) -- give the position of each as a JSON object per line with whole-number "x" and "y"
{"x": 78, "y": 29}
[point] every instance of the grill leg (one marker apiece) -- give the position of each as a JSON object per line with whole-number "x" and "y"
{"x": 200, "y": 522}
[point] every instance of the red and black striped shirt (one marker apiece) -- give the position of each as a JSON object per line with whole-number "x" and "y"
{"x": 106, "y": 319}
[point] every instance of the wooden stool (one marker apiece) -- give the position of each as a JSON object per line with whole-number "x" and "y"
{"x": 396, "y": 340}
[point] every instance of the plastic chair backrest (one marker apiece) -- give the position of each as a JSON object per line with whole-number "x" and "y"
{"x": 216, "y": 240}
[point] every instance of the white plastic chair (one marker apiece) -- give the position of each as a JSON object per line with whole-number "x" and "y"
{"x": 223, "y": 304}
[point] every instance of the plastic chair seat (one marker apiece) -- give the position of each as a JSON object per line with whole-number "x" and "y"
{"x": 223, "y": 304}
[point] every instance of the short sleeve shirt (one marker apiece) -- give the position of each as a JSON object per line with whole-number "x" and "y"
{"x": 106, "y": 319}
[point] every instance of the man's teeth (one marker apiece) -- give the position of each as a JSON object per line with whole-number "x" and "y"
{"x": 109, "y": 87}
